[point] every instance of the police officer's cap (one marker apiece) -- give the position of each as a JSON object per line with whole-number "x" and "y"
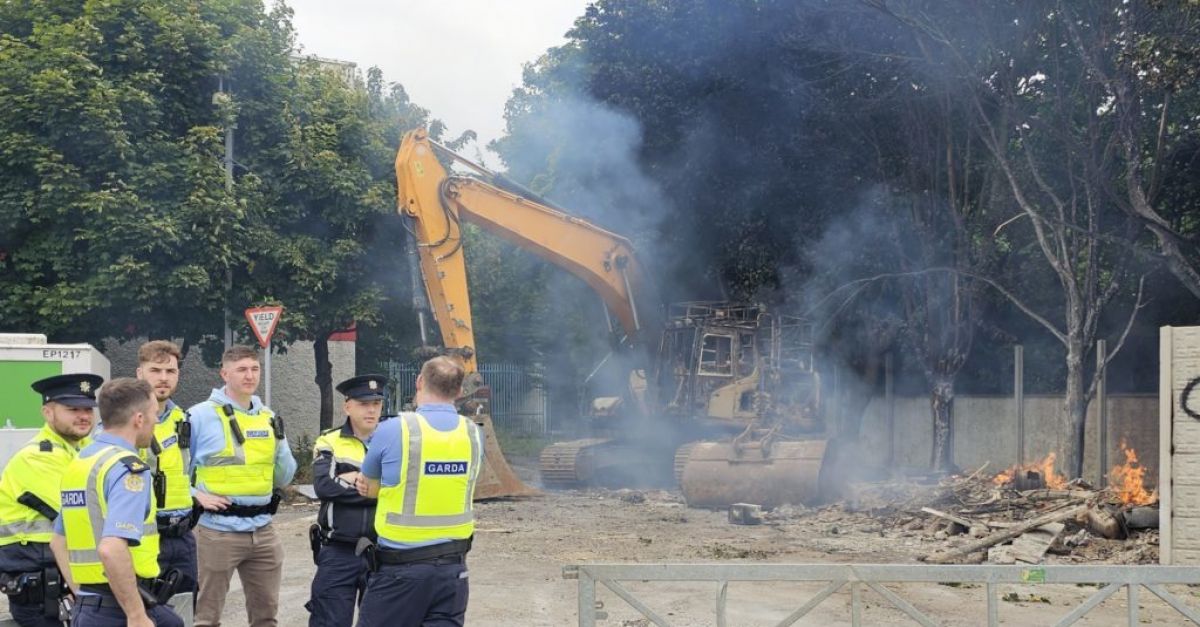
{"x": 72, "y": 390}
{"x": 368, "y": 387}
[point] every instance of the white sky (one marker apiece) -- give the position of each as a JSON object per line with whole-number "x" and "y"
{"x": 460, "y": 59}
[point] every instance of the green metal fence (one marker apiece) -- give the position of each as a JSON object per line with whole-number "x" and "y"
{"x": 519, "y": 402}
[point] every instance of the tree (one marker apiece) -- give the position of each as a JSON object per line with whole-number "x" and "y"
{"x": 1044, "y": 124}
{"x": 1144, "y": 56}
{"x": 329, "y": 184}
{"x": 110, "y": 189}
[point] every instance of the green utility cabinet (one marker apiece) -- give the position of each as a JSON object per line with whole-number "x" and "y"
{"x": 25, "y": 358}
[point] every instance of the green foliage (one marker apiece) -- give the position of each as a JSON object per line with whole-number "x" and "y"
{"x": 111, "y": 194}
{"x": 112, "y": 189}
{"x": 302, "y": 450}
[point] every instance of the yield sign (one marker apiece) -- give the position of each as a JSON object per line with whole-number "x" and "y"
{"x": 262, "y": 321}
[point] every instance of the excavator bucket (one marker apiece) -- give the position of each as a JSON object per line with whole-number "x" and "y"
{"x": 497, "y": 478}
{"x": 716, "y": 475}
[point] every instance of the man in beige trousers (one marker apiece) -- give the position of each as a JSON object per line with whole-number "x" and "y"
{"x": 241, "y": 460}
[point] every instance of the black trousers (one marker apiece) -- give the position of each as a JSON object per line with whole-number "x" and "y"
{"x": 31, "y": 615}
{"x": 179, "y": 554}
{"x": 338, "y": 586}
{"x": 26, "y": 558}
{"x": 422, "y": 594}
{"x": 113, "y": 616}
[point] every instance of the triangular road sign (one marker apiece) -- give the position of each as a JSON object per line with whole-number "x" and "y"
{"x": 262, "y": 321}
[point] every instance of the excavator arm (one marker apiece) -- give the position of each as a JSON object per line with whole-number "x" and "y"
{"x": 436, "y": 203}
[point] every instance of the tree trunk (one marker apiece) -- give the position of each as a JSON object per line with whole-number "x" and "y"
{"x": 1074, "y": 412}
{"x": 941, "y": 403}
{"x": 324, "y": 379}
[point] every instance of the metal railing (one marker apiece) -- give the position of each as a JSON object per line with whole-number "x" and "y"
{"x": 873, "y": 577}
{"x": 519, "y": 401}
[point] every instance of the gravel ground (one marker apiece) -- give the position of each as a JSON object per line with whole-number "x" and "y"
{"x": 522, "y": 546}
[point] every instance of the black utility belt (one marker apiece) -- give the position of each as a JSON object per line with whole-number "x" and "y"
{"x": 351, "y": 542}
{"x": 451, "y": 549}
{"x": 153, "y": 591}
{"x": 42, "y": 587}
{"x": 106, "y": 590}
{"x": 250, "y": 511}
{"x": 174, "y": 526}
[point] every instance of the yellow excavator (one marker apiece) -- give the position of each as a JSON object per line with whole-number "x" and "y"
{"x": 735, "y": 374}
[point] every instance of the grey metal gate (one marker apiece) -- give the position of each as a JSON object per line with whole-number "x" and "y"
{"x": 519, "y": 401}
{"x": 873, "y": 576}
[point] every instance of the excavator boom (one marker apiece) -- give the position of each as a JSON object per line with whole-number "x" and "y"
{"x": 436, "y": 203}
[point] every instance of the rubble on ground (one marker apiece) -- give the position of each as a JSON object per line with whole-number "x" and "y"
{"x": 1017, "y": 516}
{"x": 1025, "y": 515}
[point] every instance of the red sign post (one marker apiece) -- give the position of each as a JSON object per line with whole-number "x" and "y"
{"x": 263, "y": 321}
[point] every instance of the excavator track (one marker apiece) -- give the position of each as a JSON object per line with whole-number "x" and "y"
{"x": 605, "y": 463}
{"x": 681, "y": 459}
{"x": 568, "y": 465}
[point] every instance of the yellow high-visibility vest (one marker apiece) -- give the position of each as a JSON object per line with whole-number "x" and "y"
{"x": 171, "y": 459}
{"x": 432, "y": 500}
{"x": 244, "y": 468}
{"x": 36, "y": 468}
{"x": 350, "y": 451}
{"x": 85, "y": 506}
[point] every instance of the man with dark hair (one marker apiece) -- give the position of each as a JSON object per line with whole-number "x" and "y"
{"x": 29, "y": 500}
{"x": 423, "y": 467}
{"x": 346, "y": 517}
{"x": 169, "y": 456}
{"x": 106, "y": 540}
{"x": 241, "y": 461}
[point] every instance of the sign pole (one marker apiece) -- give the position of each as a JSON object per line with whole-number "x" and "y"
{"x": 268, "y": 375}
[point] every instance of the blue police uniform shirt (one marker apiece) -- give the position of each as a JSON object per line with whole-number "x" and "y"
{"x": 127, "y": 510}
{"x": 385, "y": 454}
{"x": 208, "y": 439}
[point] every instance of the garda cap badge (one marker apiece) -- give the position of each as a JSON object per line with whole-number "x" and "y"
{"x": 373, "y": 384}
{"x": 85, "y": 386}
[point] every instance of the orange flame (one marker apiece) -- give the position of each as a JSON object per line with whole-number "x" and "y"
{"x": 1128, "y": 480}
{"x": 1044, "y": 467}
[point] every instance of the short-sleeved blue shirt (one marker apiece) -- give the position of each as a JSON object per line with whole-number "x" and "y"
{"x": 385, "y": 455}
{"x": 128, "y": 497}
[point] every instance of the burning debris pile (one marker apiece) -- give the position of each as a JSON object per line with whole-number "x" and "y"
{"x": 1025, "y": 512}
{"x": 1019, "y": 515}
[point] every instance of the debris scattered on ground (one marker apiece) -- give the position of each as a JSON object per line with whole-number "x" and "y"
{"x": 1018, "y": 515}
{"x": 745, "y": 514}
{"x": 969, "y": 518}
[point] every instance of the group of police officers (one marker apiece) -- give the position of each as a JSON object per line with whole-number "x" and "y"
{"x": 102, "y": 527}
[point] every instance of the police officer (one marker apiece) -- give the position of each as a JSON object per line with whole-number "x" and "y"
{"x": 168, "y": 456}
{"x": 106, "y": 539}
{"x": 346, "y": 517}
{"x": 423, "y": 467}
{"x": 241, "y": 461}
{"x": 29, "y": 497}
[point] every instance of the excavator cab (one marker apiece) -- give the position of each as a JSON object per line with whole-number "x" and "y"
{"x": 754, "y": 393}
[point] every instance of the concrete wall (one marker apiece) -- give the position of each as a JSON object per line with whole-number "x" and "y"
{"x": 1179, "y": 366}
{"x": 985, "y": 430}
{"x": 293, "y": 393}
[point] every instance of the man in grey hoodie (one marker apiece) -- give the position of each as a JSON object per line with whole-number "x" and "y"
{"x": 241, "y": 461}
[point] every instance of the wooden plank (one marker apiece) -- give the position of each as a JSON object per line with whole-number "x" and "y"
{"x": 1032, "y": 545}
{"x": 1006, "y": 534}
{"x": 951, "y": 517}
